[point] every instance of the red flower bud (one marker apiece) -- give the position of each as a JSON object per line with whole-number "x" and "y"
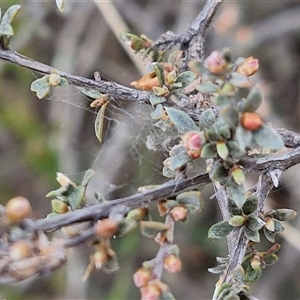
{"x": 215, "y": 62}
{"x": 192, "y": 142}
{"x": 251, "y": 121}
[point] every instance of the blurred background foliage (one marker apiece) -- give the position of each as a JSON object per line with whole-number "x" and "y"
{"x": 40, "y": 137}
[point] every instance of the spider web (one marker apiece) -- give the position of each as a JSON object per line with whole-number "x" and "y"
{"x": 132, "y": 149}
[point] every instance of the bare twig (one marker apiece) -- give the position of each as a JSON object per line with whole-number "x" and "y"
{"x": 99, "y": 211}
{"x": 195, "y": 31}
{"x": 114, "y": 90}
{"x": 169, "y": 189}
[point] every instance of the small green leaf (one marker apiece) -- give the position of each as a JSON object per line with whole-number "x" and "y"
{"x": 252, "y": 102}
{"x": 178, "y": 161}
{"x": 186, "y": 78}
{"x": 192, "y": 200}
{"x": 239, "y": 273}
{"x": 175, "y": 85}
{"x": 237, "y": 221}
{"x": 278, "y": 227}
{"x": 167, "y": 172}
{"x": 235, "y": 150}
{"x": 6, "y": 30}
{"x": 207, "y": 119}
{"x": 268, "y": 138}
{"x": 228, "y": 89}
{"x": 212, "y": 135}
{"x": 252, "y": 275}
{"x": 238, "y": 175}
{"x": 252, "y": 235}
{"x": 63, "y": 82}
{"x": 230, "y": 116}
{"x": 219, "y": 173}
{"x": 221, "y": 101}
{"x": 222, "y": 150}
{"x": 76, "y": 197}
{"x": 99, "y": 122}
{"x": 239, "y": 80}
{"x": 197, "y": 67}
{"x": 227, "y": 54}
{"x": 111, "y": 265}
{"x": 5, "y": 27}
{"x": 154, "y": 99}
{"x": 244, "y": 137}
{"x": 269, "y": 235}
{"x": 158, "y": 112}
{"x": 254, "y": 223}
{"x": 282, "y": 214}
{"x": 220, "y": 230}
{"x": 181, "y": 120}
{"x": 159, "y": 71}
{"x": 99, "y": 197}
{"x": 59, "y": 193}
{"x": 209, "y": 150}
{"x": 250, "y": 205}
{"x": 94, "y": 94}
{"x": 233, "y": 208}
{"x": 39, "y": 83}
{"x": 151, "y": 228}
{"x": 174, "y": 57}
{"x": 41, "y": 87}
{"x": 59, "y": 206}
{"x": 217, "y": 269}
{"x": 87, "y": 177}
{"x": 230, "y": 296}
{"x": 237, "y": 193}
{"x": 60, "y": 4}
{"x": 270, "y": 259}
{"x": 125, "y": 227}
{"x": 170, "y": 204}
{"x": 43, "y": 92}
{"x": 207, "y": 88}
{"x": 223, "y": 130}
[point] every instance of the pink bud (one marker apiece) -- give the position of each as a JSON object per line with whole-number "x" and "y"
{"x": 192, "y": 142}
{"x": 248, "y": 67}
{"x": 215, "y": 62}
{"x": 178, "y": 213}
{"x": 141, "y": 277}
{"x": 150, "y": 291}
{"x": 172, "y": 263}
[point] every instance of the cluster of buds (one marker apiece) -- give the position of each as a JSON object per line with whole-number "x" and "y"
{"x": 163, "y": 75}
